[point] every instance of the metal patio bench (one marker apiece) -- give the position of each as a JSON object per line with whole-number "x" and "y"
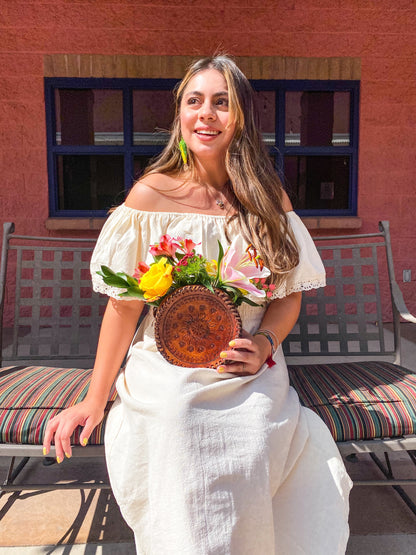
{"x": 343, "y": 362}
{"x": 55, "y": 326}
{"x": 336, "y": 352}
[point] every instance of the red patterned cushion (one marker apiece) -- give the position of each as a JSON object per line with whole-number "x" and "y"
{"x": 359, "y": 400}
{"x": 31, "y": 395}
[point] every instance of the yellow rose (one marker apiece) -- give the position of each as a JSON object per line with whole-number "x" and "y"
{"x": 157, "y": 280}
{"x": 212, "y": 268}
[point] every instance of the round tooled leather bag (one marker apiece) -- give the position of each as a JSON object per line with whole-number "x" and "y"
{"x": 193, "y": 325}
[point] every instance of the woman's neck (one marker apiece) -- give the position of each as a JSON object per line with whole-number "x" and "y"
{"x": 212, "y": 175}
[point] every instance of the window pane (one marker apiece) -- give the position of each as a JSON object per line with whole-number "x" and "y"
{"x": 153, "y": 113}
{"x": 318, "y": 182}
{"x": 317, "y": 118}
{"x": 139, "y": 165}
{"x": 89, "y": 117}
{"x": 90, "y": 182}
{"x": 266, "y": 108}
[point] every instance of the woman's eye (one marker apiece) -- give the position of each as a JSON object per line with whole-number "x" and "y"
{"x": 222, "y": 102}
{"x": 193, "y": 100}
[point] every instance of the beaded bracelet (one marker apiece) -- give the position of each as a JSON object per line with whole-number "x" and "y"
{"x": 272, "y": 339}
{"x": 270, "y": 336}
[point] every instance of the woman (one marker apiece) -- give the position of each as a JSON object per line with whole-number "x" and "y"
{"x": 206, "y": 461}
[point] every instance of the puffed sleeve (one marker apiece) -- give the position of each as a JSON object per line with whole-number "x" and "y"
{"x": 310, "y": 272}
{"x": 122, "y": 243}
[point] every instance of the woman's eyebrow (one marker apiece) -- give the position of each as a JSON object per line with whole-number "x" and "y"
{"x": 198, "y": 93}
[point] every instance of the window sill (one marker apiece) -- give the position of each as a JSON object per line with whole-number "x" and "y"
{"x": 95, "y": 224}
{"x": 332, "y": 222}
{"x": 76, "y": 224}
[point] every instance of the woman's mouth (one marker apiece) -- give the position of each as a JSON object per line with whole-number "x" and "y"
{"x": 207, "y": 132}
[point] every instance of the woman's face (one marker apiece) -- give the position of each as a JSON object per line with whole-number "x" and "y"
{"x": 204, "y": 115}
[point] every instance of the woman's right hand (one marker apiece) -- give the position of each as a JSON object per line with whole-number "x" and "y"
{"x": 61, "y": 427}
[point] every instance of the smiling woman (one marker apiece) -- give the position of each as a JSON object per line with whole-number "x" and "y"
{"x": 206, "y": 124}
{"x": 223, "y": 459}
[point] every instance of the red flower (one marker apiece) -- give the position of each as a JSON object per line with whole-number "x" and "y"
{"x": 189, "y": 245}
{"x": 167, "y": 247}
{"x": 141, "y": 269}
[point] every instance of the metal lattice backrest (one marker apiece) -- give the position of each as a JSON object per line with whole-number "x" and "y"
{"x": 345, "y": 318}
{"x": 57, "y": 315}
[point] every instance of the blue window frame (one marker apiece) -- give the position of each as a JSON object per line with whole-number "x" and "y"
{"x": 101, "y": 133}
{"x": 311, "y": 129}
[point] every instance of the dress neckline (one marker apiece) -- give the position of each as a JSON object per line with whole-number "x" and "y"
{"x": 221, "y": 216}
{"x": 172, "y": 213}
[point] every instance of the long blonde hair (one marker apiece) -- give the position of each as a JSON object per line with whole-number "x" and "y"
{"x": 257, "y": 189}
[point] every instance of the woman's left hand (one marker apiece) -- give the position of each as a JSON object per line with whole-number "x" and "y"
{"x": 246, "y": 355}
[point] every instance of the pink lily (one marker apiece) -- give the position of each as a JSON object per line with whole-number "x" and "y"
{"x": 238, "y": 268}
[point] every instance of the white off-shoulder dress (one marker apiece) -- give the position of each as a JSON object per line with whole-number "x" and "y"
{"x": 203, "y": 463}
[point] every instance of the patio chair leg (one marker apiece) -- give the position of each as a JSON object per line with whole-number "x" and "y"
{"x": 388, "y": 473}
{"x": 13, "y": 473}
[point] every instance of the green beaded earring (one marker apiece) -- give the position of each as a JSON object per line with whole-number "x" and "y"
{"x": 184, "y": 153}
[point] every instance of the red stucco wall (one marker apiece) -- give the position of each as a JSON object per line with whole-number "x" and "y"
{"x": 382, "y": 34}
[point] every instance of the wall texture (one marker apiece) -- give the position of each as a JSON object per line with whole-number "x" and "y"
{"x": 381, "y": 35}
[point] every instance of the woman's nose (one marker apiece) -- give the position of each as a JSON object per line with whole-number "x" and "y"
{"x": 206, "y": 111}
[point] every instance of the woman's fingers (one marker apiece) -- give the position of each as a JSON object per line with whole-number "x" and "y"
{"x": 49, "y": 433}
{"x": 61, "y": 427}
{"x": 245, "y": 356}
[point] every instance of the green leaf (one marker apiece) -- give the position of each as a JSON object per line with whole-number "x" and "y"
{"x": 131, "y": 281}
{"x": 133, "y": 292}
{"x": 115, "y": 281}
{"x": 248, "y": 301}
{"x": 106, "y": 271}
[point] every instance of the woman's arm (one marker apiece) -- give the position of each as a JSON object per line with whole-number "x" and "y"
{"x": 117, "y": 330}
{"x": 279, "y": 318}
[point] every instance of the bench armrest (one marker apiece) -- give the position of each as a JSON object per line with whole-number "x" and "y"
{"x": 400, "y": 304}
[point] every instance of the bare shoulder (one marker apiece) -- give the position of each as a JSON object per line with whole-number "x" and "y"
{"x": 286, "y": 204}
{"x": 149, "y": 193}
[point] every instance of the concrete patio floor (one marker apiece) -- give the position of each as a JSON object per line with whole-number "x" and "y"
{"x": 89, "y": 522}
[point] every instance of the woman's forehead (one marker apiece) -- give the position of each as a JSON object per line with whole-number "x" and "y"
{"x": 207, "y": 80}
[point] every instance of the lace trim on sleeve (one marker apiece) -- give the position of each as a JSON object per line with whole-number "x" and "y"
{"x": 304, "y": 285}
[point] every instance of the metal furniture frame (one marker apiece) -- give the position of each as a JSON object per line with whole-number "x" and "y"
{"x": 344, "y": 322}
{"x": 56, "y": 322}
{"x": 57, "y": 318}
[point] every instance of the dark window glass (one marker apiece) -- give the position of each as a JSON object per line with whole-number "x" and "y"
{"x": 317, "y": 118}
{"x": 90, "y": 182}
{"x": 153, "y": 113}
{"x": 139, "y": 165}
{"x": 102, "y": 133}
{"x": 89, "y": 117}
{"x": 318, "y": 182}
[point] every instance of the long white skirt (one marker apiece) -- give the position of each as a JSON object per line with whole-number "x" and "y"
{"x": 203, "y": 463}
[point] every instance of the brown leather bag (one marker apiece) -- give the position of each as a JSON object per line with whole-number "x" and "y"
{"x": 193, "y": 325}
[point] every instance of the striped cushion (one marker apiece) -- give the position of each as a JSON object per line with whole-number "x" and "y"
{"x": 359, "y": 400}
{"x": 30, "y": 395}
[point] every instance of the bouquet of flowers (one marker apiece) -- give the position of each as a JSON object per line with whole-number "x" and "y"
{"x": 196, "y": 299}
{"x": 239, "y": 272}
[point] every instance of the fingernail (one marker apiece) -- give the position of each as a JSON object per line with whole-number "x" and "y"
{"x": 59, "y": 460}
{"x": 223, "y": 354}
{"x": 221, "y": 369}
{"x": 67, "y": 455}
{"x": 84, "y": 441}
{"x": 45, "y": 452}
{"x": 232, "y": 343}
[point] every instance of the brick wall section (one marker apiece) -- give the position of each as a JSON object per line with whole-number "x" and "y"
{"x": 290, "y": 35}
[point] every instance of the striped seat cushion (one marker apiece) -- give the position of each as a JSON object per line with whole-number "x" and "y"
{"x": 359, "y": 400}
{"x": 31, "y": 395}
